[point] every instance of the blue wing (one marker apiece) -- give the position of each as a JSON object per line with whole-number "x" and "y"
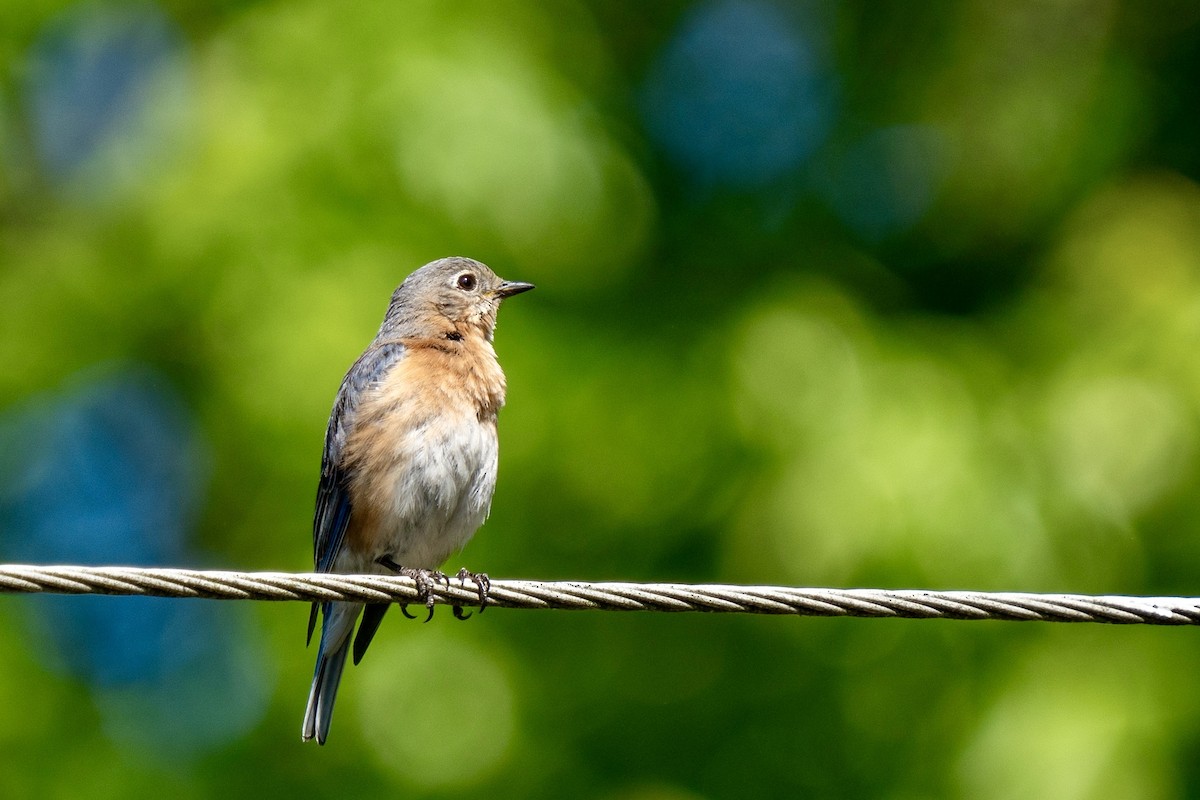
{"x": 333, "y": 497}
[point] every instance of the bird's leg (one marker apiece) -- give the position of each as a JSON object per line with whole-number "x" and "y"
{"x": 482, "y": 584}
{"x": 423, "y": 578}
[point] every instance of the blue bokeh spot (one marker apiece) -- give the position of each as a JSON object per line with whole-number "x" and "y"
{"x": 886, "y": 182}
{"x": 742, "y": 94}
{"x": 112, "y": 472}
{"x": 88, "y": 77}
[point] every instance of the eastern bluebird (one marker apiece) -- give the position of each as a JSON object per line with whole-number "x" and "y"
{"x": 410, "y": 453}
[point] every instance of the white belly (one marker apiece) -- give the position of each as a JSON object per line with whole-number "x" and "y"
{"x": 440, "y": 492}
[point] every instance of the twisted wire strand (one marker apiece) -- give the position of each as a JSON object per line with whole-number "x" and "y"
{"x": 574, "y": 595}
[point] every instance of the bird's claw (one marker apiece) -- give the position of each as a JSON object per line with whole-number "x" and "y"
{"x": 424, "y": 580}
{"x": 483, "y": 585}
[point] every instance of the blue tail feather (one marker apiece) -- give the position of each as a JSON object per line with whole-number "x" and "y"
{"x": 331, "y": 661}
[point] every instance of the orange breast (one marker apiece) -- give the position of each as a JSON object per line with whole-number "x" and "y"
{"x": 442, "y": 394}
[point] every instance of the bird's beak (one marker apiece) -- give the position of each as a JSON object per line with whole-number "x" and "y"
{"x": 509, "y": 288}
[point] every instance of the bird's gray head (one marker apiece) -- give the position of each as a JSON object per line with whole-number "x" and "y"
{"x": 449, "y": 296}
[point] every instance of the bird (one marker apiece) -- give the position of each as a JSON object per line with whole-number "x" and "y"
{"x": 410, "y": 455}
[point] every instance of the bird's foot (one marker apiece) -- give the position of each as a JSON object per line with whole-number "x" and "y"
{"x": 423, "y": 578}
{"x": 483, "y": 585}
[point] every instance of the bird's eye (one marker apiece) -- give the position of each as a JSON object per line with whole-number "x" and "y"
{"x": 466, "y": 281}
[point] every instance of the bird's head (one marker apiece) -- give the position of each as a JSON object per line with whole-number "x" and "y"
{"x": 450, "y": 295}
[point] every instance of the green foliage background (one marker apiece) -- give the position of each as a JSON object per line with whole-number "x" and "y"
{"x": 709, "y": 384}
